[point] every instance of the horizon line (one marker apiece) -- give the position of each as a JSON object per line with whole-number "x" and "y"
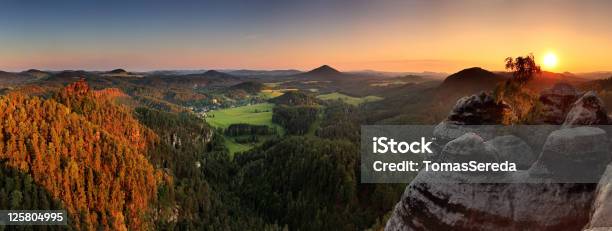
{"x": 278, "y": 69}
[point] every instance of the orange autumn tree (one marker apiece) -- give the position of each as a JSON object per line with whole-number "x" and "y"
{"x": 514, "y": 91}
{"x": 93, "y": 161}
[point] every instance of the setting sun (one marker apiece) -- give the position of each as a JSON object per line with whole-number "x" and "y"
{"x": 550, "y": 61}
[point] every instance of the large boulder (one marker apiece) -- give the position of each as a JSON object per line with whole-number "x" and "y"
{"x": 432, "y": 202}
{"x": 577, "y": 154}
{"x": 428, "y": 204}
{"x": 556, "y": 102}
{"x": 468, "y": 147}
{"x": 481, "y": 108}
{"x": 513, "y": 149}
{"x": 587, "y": 110}
{"x": 446, "y": 131}
{"x": 601, "y": 216}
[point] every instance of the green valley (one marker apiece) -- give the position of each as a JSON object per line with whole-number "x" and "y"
{"x": 256, "y": 114}
{"x": 349, "y": 99}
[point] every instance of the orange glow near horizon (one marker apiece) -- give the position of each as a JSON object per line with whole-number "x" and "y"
{"x": 415, "y": 36}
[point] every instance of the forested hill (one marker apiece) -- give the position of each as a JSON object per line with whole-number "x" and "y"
{"x": 101, "y": 179}
{"x": 114, "y": 167}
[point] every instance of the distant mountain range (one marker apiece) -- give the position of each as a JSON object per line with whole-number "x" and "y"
{"x": 241, "y": 72}
{"x": 245, "y": 72}
{"x": 476, "y": 75}
{"x": 388, "y": 74}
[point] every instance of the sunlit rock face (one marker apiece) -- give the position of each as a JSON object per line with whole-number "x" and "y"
{"x": 587, "y": 110}
{"x": 556, "y": 103}
{"x": 601, "y": 216}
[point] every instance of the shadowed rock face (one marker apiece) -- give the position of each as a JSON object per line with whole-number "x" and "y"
{"x": 481, "y": 109}
{"x": 468, "y": 147}
{"x": 426, "y": 206}
{"x": 429, "y": 204}
{"x": 556, "y": 102}
{"x": 581, "y": 152}
{"x": 478, "y": 109}
{"x": 513, "y": 149}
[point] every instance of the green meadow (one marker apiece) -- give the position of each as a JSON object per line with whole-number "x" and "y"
{"x": 256, "y": 114}
{"x": 349, "y": 99}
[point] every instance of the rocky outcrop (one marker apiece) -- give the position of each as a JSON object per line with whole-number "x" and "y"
{"x": 481, "y": 108}
{"x": 587, "y": 110}
{"x": 569, "y": 153}
{"x": 478, "y": 109}
{"x": 513, "y": 149}
{"x": 579, "y": 154}
{"x": 440, "y": 206}
{"x": 468, "y": 147}
{"x": 448, "y": 130}
{"x": 431, "y": 203}
{"x": 601, "y": 216}
{"x": 556, "y": 102}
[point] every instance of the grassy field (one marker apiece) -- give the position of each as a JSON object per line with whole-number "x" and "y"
{"x": 234, "y": 147}
{"x": 257, "y": 114}
{"x": 271, "y": 93}
{"x": 349, "y": 99}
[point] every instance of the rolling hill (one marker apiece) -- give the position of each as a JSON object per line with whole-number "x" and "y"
{"x": 471, "y": 80}
{"x": 322, "y": 72}
{"x": 10, "y": 78}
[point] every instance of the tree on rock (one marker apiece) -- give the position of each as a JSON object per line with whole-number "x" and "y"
{"x": 513, "y": 92}
{"x": 523, "y": 68}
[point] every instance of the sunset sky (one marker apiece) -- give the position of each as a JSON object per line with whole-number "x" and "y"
{"x": 279, "y": 34}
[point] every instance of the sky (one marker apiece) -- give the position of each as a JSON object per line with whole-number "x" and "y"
{"x": 386, "y": 35}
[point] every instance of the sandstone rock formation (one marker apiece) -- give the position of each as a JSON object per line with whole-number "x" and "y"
{"x": 513, "y": 149}
{"x": 448, "y": 130}
{"x": 580, "y": 153}
{"x": 568, "y": 153}
{"x": 430, "y": 204}
{"x": 478, "y": 109}
{"x": 481, "y": 109}
{"x": 587, "y": 110}
{"x": 556, "y": 102}
{"x": 601, "y": 216}
{"x": 466, "y": 148}
{"x": 439, "y": 206}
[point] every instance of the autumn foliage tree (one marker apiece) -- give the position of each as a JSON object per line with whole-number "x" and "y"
{"x": 513, "y": 91}
{"x": 99, "y": 108}
{"x": 86, "y": 152}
